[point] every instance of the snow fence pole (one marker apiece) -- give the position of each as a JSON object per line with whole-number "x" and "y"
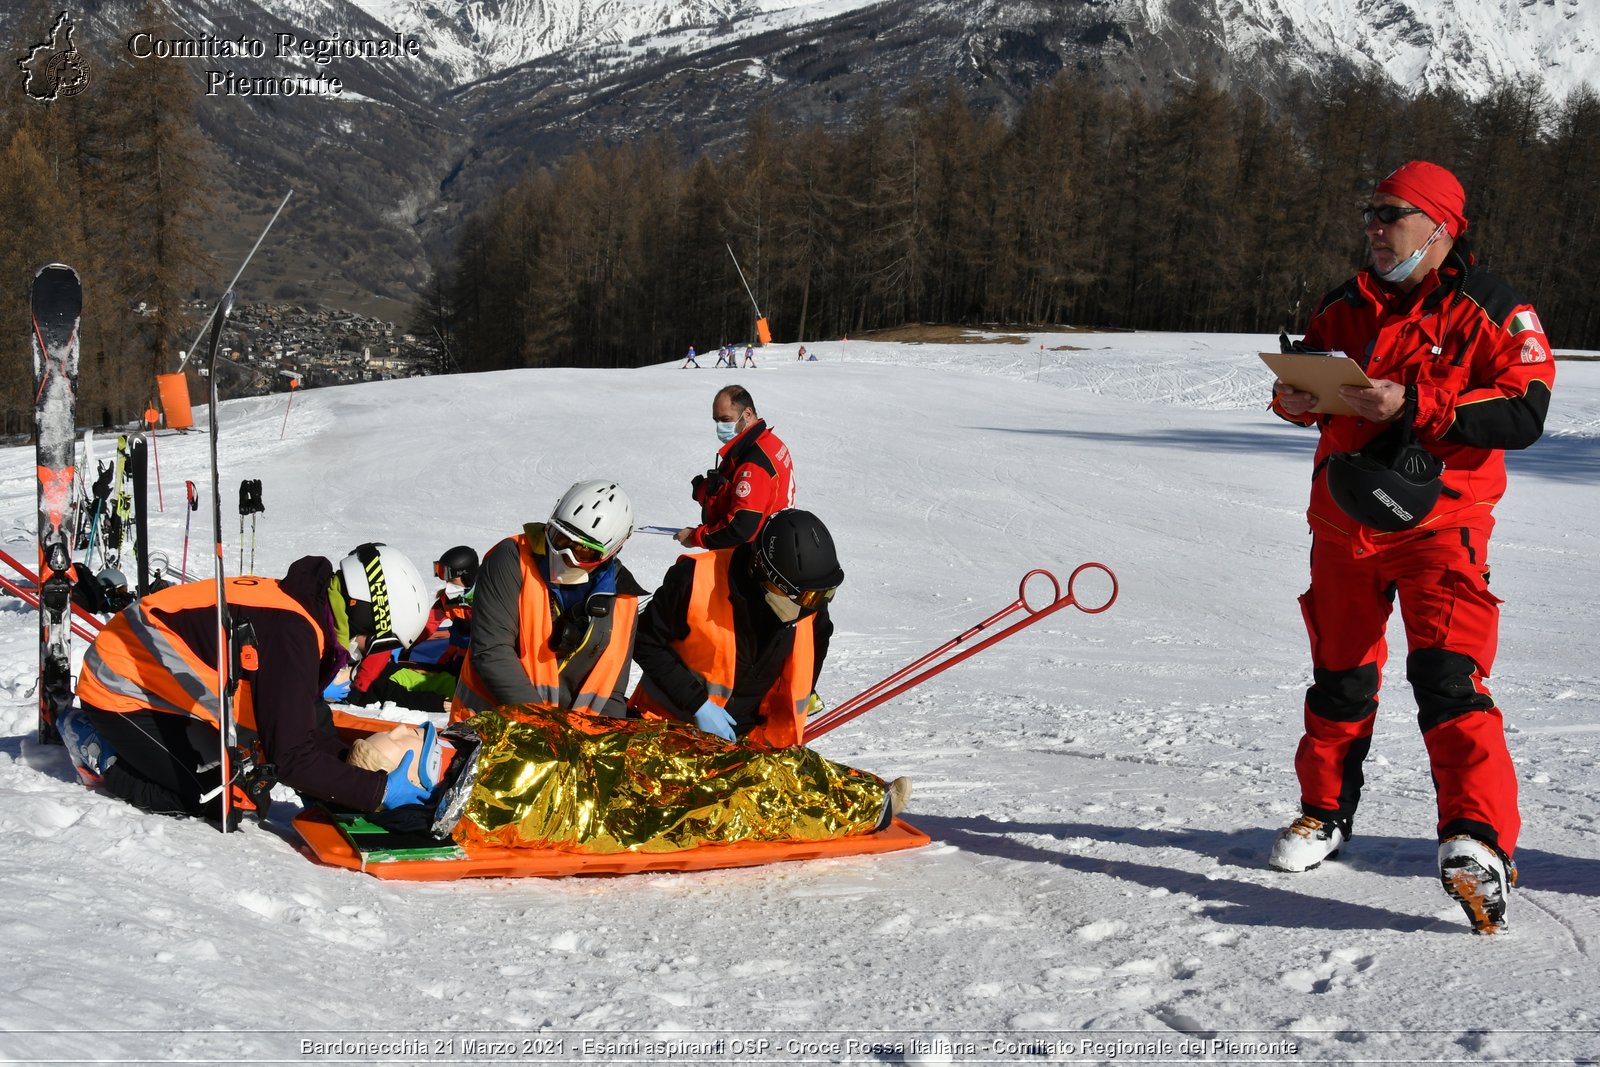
{"x": 925, "y": 667}
{"x": 152, "y": 417}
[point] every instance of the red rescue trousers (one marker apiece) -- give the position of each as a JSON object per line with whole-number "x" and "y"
{"x": 1452, "y": 624}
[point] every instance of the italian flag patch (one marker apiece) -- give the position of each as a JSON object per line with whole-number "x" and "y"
{"x": 1523, "y": 321}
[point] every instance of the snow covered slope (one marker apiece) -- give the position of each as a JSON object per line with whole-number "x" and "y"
{"x": 1102, "y": 790}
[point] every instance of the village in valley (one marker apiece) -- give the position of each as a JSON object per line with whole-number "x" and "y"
{"x": 287, "y": 343}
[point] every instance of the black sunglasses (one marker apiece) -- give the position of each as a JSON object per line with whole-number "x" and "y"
{"x": 1388, "y": 214}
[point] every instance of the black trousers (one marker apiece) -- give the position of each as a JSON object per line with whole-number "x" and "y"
{"x": 159, "y": 761}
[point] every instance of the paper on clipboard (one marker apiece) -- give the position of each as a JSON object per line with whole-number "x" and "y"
{"x": 1320, "y": 374}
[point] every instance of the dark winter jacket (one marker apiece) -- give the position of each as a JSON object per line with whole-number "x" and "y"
{"x": 577, "y": 628}
{"x": 292, "y": 723}
{"x": 764, "y": 643}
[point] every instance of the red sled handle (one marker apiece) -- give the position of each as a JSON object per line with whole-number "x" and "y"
{"x": 27, "y": 572}
{"x": 920, "y": 670}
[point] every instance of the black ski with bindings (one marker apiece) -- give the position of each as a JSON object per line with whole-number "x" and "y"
{"x": 57, "y": 301}
{"x": 138, "y": 465}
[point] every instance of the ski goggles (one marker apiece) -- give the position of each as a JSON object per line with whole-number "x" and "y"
{"x": 1388, "y": 214}
{"x": 808, "y": 599}
{"x": 444, "y": 572}
{"x": 583, "y": 551}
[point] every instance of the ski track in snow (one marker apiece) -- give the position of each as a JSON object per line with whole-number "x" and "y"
{"x": 1101, "y": 790}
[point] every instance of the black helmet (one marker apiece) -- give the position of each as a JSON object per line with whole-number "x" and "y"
{"x": 460, "y": 562}
{"x": 796, "y": 552}
{"x": 1390, "y": 487}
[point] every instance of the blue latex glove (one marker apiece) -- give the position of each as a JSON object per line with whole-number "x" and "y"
{"x": 713, "y": 718}
{"x": 398, "y": 789}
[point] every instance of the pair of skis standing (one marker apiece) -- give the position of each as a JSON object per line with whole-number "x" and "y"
{"x": 112, "y": 512}
{"x": 57, "y": 305}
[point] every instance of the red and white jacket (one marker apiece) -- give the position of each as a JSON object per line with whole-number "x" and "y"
{"x": 754, "y": 477}
{"x": 1478, "y": 366}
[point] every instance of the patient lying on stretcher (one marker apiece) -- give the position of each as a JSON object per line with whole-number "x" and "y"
{"x": 531, "y": 776}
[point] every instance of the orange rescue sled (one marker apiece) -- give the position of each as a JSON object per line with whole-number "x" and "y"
{"x": 343, "y": 841}
{"x": 328, "y": 844}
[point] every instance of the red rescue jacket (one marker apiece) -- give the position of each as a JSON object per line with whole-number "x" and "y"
{"x": 1474, "y": 358}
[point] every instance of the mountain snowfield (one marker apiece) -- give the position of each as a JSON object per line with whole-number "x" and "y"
{"x": 1101, "y": 790}
{"x": 1421, "y": 44}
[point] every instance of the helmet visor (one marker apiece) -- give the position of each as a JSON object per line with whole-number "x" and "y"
{"x": 579, "y": 550}
{"x": 808, "y": 599}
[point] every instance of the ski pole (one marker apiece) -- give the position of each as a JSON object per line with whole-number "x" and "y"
{"x": 152, "y": 416}
{"x": 669, "y": 531}
{"x": 920, "y": 670}
{"x": 194, "y": 505}
{"x": 225, "y": 727}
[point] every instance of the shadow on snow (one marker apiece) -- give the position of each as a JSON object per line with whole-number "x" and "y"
{"x": 1249, "y": 903}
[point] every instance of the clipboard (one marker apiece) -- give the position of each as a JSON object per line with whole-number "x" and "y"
{"x": 1319, "y": 374}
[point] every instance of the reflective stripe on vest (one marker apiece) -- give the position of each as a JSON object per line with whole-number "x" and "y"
{"x": 538, "y": 659}
{"x": 711, "y": 650}
{"x": 138, "y": 664}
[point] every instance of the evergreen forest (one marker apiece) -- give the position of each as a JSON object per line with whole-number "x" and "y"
{"x": 1092, "y": 207}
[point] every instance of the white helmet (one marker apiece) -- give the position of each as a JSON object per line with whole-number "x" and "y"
{"x": 590, "y": 523}
{"x": 386, "y": 598}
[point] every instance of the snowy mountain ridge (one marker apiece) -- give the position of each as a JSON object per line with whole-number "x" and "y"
{"x": 1422, "y": 44}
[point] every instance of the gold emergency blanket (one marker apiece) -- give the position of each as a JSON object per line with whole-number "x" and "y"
{"x": 550, "y": 778}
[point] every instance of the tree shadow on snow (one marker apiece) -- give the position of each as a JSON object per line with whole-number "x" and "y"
{"x": 1299, "y": 903}
{"x": 1268, "y": 439}
{"x": 1565, "y": 458}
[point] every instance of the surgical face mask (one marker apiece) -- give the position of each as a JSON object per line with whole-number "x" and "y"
{"x": 785, "y": 609}
{"x": 563, "y": 573}
{"x": 727, "y": 431}
{"x": 452, "y": 591}
{"x": 1406, "y": 267}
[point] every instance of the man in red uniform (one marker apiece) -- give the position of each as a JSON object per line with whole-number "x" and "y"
{"x": 754, "y": 476}
{"x": 1460, "y": 366}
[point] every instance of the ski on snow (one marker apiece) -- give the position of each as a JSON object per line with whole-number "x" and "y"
{"x": 57, "y": 303}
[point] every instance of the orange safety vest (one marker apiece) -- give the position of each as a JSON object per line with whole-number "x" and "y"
{"x": 137, "y": 663}
{"x": 541, "y": 662}
{"x": 711, "y": 651}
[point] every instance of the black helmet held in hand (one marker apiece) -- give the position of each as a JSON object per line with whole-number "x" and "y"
{"x": 795, "y": 551}
{"x": 1387, "y": 488}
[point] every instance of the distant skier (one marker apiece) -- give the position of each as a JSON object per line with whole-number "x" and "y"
{"x": 749, "y": 355}
{"x": 690, "y": 361}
